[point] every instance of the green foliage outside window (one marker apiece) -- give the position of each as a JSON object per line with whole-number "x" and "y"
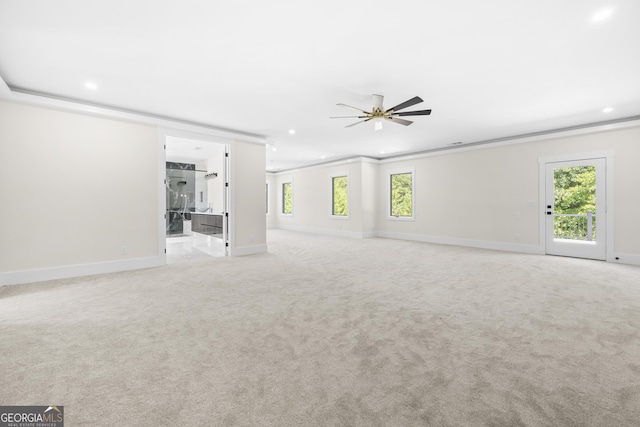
{"x": 574, "y": 193}
{"x": 340, "y": 196}
{"x": 402, "y": 195}
{"x": 287, "y": 198}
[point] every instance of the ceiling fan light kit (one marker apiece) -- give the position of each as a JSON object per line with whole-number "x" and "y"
{"x": 378, "y": 113}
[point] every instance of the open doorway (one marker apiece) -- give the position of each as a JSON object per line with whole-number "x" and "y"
{"x": 195, "y": 199}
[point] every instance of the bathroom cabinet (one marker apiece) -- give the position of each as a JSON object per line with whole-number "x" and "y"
{"x": 206, "y": 223}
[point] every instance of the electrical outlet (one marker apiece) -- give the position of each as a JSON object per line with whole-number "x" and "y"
{"x": 124, "y": 250}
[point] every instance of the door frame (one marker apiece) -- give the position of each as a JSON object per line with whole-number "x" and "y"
{"x": 162, "y": 158}
{"x": 608, "y": 156}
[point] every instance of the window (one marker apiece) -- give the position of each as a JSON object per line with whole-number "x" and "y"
{"x": 340, "y": 196}
{"x": 287, "y": 198}
{"x": 401, "y": 195}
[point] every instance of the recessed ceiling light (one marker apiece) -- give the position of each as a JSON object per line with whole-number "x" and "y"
{"x": 323, "y": 157}
{"x": 274, "y": 149}
{"x": 607, "y": 110}
{"x": 292, "y": 131}
{"x": 381, "y": 151}
{"x": 91, "y": 85}
{"x": 601, "y": 15}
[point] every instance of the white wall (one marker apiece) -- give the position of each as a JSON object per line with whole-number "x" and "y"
{"x": 75, "y": 190}
{"x": 78, "y": 189}
{"x": 247, "y": 211}
{"x": 470, "y": 197}
{"x": 312, "y": 199}
{"x": 272, "y": 213}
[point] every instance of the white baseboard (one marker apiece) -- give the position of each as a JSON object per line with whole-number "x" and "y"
{"x": 481, "y": 244}
{"x": 621, "y": 258}
{"x": 625, "y": 259}
{"x": 247, "y": 250}
{"x": 67, "y": 271}
{"x": 328, "y": 232}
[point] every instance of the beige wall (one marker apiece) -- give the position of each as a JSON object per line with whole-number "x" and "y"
{"x": 471, "y": 197}
{"x": 312, "y": 199}
{"x": 247, "y": 198}
{"x": 475, "y": 195}
{"x": 272, "y": 214}
{"x": 75, "y": 189}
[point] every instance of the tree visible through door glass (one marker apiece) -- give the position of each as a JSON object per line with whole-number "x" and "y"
{"x": 575, "y": 203}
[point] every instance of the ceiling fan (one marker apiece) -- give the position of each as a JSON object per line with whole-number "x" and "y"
{"x": 378, "y": 113}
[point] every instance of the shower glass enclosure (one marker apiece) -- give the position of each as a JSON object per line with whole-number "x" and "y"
{"x": 186, "y": 193}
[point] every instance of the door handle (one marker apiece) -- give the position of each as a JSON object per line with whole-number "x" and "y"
{"x": 549, "y": 213}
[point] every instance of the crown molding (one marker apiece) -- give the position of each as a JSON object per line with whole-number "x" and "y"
{"x": 21, "y": 96}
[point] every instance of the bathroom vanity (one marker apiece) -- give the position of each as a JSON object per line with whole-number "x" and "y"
{"x": 206, "y": 223}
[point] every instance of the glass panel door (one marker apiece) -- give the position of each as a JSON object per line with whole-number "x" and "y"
{"x": 575, "y": 205}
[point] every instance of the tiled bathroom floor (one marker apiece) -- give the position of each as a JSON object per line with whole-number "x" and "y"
{"x": 196, "y": 246}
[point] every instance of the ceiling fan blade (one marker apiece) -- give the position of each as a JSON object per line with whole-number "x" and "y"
{"x": 355, "y": 108}
{"x": 413, "y": 101}
{"x": 348, "y": 117}
{"x": 414, "y": 113}
{"x": 399, "y": 121}
{"x": 377, "y": 101}
{"x": 353, "y": 124}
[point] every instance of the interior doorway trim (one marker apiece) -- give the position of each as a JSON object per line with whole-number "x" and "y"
{"x": 608, "y": 156}
{"x": 163, "y": 133}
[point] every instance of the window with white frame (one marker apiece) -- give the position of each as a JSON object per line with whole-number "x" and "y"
{"x": 287, "y": 198}
{"x": 401, "y": 194}
{"x": 340, "y": 196}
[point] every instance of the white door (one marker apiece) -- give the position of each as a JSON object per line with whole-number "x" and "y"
{"x": 225, "y": 201}
{"x": 575, "y": 208}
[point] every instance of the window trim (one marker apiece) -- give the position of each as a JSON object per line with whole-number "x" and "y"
{"x": 331, "y": 177}
{"x": 268, "y": 198}
{"x": 389, "y": 174}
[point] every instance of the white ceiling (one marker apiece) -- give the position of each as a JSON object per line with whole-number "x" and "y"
{"x": 488, "y": 70}
{"x": 184, "y": 150}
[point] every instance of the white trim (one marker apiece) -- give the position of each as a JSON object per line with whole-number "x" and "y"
{"x": 401, "y": 171}
{"x": 331, "y": 177}
{"x": 620, "y": 258}
{"x": 628, "y": 259}
{"x": 481, "y": 244}
{"x": 346, "y": 161}
{"x": 326, "y": 232}
{"x": 205, "y": 131}
{"x": 589, "y": 155}
{"x": 501, "y": 142}
{"x": 247, "y": 250}
{"x": 68, "y": 271}
{"x": 587, "y": 129}
{"x": 5, "y": 91}
{"x": 268, "y": 199}
{"x": 162, "y": 196}
{"x": 608, "y": 156}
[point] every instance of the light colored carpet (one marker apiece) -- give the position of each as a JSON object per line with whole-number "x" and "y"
{"x": 326, "y": 331}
